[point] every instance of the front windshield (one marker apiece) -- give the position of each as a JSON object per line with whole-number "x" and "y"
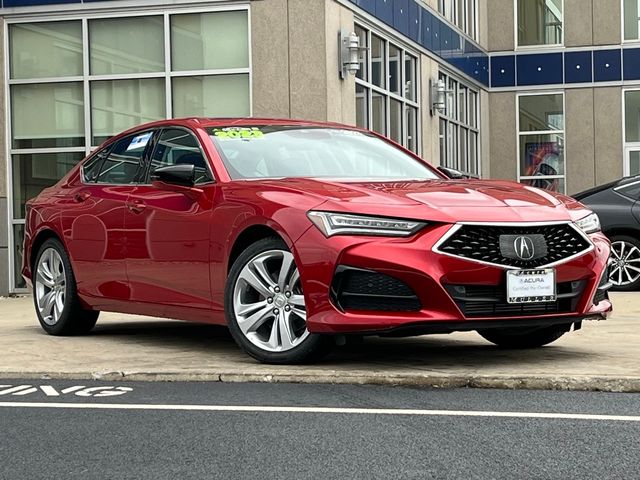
{"x": 317, "y": 152}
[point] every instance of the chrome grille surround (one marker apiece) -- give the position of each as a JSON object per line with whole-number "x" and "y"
{"x": 494, "y": 257}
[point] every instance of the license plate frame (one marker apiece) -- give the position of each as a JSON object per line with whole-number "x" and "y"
{"x": 531, "y": 286}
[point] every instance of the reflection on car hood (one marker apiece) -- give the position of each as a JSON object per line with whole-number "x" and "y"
{"x": 444, "y": 200}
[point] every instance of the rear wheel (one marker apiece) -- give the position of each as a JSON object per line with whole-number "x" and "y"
{"x": 624, "y": 270}
{"x": 265, "y": 306}
{"x": 54, "y": 293}
{"x": 522, "y": 337}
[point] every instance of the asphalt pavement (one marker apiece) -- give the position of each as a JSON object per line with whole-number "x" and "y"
{"x": 154, "y": 430}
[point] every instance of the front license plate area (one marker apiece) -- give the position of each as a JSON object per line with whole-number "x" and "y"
{"x": 531, "y": 286}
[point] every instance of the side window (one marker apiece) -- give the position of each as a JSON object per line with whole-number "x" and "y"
{"x": 91, "y": 167}
{"x": 179, "y": 147}
{"x": 123, "y": 164}
{"x": 631, "y": 191}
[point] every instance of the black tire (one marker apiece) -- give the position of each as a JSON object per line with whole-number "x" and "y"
{"x": 613, "y": 273}
{"x": 313, "y": 347}
{"x": 522, "y": 337}
{"x": 73, "y": 319}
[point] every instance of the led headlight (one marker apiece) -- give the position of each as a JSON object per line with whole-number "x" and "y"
{"x": 589, "y": 224}
{"x": 331, "y": 223}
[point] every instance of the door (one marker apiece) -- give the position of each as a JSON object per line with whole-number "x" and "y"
{"x": 167, "y": 228}
{"x": 93, "y": 223}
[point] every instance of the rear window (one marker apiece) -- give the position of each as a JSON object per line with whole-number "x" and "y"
{"x": 317, "y": 152}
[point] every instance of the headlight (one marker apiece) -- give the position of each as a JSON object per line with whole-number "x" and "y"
{"x": 589, "y": 224}
{"x": 331, "y": 223}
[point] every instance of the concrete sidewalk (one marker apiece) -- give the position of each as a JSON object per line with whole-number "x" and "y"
{"x": 602, "y": 356}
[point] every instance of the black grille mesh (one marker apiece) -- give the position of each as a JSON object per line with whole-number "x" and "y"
{"x": 482, "y": 243}
{"x": 490, "y": 300}
{"x": 355, "y": 289}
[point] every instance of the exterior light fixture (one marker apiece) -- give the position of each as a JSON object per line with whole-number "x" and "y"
{"x": 349, "y": 47}
{"x": 438, "y": 96}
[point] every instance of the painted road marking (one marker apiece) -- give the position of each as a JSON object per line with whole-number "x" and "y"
{"x": 49, "y": 391}
{"x": 328, "y": 410}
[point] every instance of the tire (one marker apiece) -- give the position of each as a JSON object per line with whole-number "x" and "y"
{"x": 54, "y": 293}
{"x": 522, "y": 337}
{"x": 625, "y": 256}
{"x": 263, "y": 299}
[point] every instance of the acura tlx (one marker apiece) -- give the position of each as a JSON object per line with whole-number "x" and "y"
{"x": 297, "y": 233}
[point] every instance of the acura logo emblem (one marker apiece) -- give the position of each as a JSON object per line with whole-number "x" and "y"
{"x": 524, "y": 248}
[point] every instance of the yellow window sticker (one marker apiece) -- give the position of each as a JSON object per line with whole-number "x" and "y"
{"x": 234, "y": 133}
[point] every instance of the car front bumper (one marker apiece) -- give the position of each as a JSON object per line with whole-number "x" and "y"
{"x": 436, "y": 281}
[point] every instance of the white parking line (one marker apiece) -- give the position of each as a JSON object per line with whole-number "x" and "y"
{"x": 327, "y": 410}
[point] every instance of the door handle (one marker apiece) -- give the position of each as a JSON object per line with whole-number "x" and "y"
{"x": 136, "y": 206}
{"x": 81, "y": 196}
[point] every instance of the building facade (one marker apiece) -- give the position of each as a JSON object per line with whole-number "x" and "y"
{"x": 545, "y": 92}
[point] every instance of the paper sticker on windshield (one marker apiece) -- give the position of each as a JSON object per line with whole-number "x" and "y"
{"x": 234, "y": 133}
{"x": 140, "y": 141}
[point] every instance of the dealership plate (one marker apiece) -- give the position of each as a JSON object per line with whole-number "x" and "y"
{"x": 531, "y": 286}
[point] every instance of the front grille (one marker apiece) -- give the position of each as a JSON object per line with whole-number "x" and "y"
{"x": 356, "y": 289}
{"x": 482, "y": 243}
{"x": 491, "y": 300}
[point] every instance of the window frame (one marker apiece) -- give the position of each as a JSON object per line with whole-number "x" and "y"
{"x": 627, "y": 147}
{"x": 516, "y": 28}
{"x": 146, "y": 177}
{"x": 370, "y": 88}
{"x": 453, "y": 100}
{"x": 448, "y": 9}
{"x": 86, "y": 78}
{"x": 562, "y": 132}
{"x": 623, "y": 39}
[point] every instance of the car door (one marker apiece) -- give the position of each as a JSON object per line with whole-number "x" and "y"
{"x": 93, "y": 223}
{"x": 167, "y": 228}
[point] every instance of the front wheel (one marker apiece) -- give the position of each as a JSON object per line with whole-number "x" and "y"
{"x": 54, "y": 293}
{"x": 523, "y": 337}
{"x": 624, "y": 269}
{"x": 265, "y": 306}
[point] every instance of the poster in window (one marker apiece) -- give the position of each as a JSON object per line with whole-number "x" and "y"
{"x": 543, "y": 159}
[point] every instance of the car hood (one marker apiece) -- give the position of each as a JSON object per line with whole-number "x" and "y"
{"x": 442, "y": 200}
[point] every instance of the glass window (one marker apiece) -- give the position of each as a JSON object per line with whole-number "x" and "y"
{"x": 540, "y": 22}
{"x": 631, "y": 19}
{"x": 47, "y": 49}
{"x": 462, "y": 13}
{"x": 91, "y": 168}
{"x": 387, "y": 92}
{"x": 123, "y": 165}
{"x": 632, "y": 190}
{"x": 459, "y": 133}
{"x": 18, "y": 240}
{"x": 632, "y": 115}
{"x": 541, "y": 113}
{"x": 117, "y": 105}
{"x": 280, "y": 152}
{"x": 211, "y": 96}
{"x": 541, "y": 141}
{"x": 207, "y": 41}
{"x": 179, "y": 147}
{"x": 634, "y": 162}
{"x": 126, "y": 45}
{"x": 47, "y": 115}
{"x": 34, "y": 172}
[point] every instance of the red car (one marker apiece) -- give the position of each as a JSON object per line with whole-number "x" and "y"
{"x": 298, "y": 233}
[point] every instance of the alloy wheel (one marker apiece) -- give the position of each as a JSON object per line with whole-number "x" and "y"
{"x": 625, "y": 263}
{"x": 50, "y": 286}
{"x": 268, "y": 302}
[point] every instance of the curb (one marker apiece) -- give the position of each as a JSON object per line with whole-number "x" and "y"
{"x": 509, "y": 382}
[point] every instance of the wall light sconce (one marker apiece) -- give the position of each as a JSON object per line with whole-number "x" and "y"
{"x": 438, "y": 96}
{"x": 349, "y": 47}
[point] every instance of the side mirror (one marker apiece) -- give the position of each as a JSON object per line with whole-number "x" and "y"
{"x": 451, "y": 173}
{"x": 183, "y": 175}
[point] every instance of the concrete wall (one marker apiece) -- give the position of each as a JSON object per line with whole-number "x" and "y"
{"x": 430, "y": 123}
{"x": 503, "y": 151}
{"x": 607, "y": 106}
{"x": 500, "y": 25}
{"x": 579, "y": 140}
{"x": 578, "y": 25}
{"x": 606, "y": 22}
{"x": 295, "y": 60}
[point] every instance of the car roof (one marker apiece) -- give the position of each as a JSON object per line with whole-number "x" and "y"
{"x": 617, "y": 183}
